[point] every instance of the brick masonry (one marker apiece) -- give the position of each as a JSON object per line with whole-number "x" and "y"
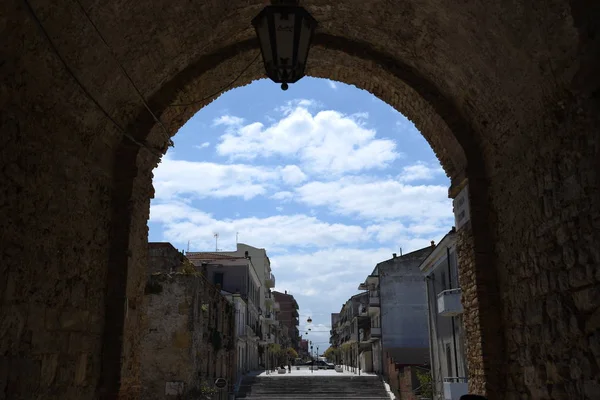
{"x": 509, "y": 101}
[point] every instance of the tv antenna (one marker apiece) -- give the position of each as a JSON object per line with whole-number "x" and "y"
{"x": 216, "y": 235}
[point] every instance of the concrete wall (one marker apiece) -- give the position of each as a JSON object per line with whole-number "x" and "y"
{"x": 189, "y": 336}
{"x": 404, "y": 305}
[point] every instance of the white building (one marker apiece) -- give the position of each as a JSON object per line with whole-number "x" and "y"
{"x": 447, "y": 351}
{"x": 267, "y": 307}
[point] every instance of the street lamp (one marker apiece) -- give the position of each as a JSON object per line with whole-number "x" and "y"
{"x": 309, "y": 320}
{"x": 285, "y": 31}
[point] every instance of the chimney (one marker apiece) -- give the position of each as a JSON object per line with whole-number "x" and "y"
{"x": 394, "y": 255}
{"x": 246, "y": 254}
{"x": 433, "y": 243}
{"x": 286, "y": 292}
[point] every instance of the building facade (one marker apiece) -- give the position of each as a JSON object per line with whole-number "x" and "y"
{"x": 397, "y": 308}
{"x": 189, "y": 330}
{"x": 447, "y": 349}
{"x": 288, "y": 317}
{"x": 238, "y": 281}
{"x": 268, "y": 330}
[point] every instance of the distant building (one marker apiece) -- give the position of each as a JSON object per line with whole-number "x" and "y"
{"x": 288, "y": 316}
{"x": 351, "y": 322}
{"x": 397, "y": 308}
{"x": 447, "y": 352}
{"x": 239, "y": 282}
{"x": 334, "y": 336}
{"x": 268, "y": 329}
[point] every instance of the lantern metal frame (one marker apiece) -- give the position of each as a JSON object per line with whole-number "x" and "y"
{"x": 278, "y": 69}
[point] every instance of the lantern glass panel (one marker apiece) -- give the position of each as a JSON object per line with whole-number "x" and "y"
{"x": 284, "y": 37}
{"x": 262, "y": 31}
{"x": 304, "y": 44}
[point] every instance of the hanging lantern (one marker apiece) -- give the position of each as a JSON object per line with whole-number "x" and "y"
{"x": 309, "y": 320}
{"x": 285, "y": 31}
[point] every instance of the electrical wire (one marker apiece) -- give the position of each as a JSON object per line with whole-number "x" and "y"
{"x": 123, "y": 71}
{"x": 221, "y": 90}
{"x": 155, "y": 152}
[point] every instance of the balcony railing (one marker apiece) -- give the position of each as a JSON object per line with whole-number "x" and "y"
{"x": 268, "y": 317}
{"x": 449, "y": 303}
{"x": 270, "y": 281}
{"x": 455, "y": 387}
{"x": 269, "y": 298}
{"x": 375, "y": 333}
{"x": 374, "y": 298}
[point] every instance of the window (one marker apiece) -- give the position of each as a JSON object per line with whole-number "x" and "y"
{"x": 218, "y": 279}
{"x": 448, "y": 360}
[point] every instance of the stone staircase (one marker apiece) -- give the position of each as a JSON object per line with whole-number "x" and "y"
{"x": 277, "y": 387}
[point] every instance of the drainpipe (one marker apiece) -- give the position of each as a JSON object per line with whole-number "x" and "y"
{"x": 431, "y": 330}
{"x": 453, "y": 325}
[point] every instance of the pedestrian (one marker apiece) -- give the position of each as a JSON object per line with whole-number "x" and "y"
{"x": 289, "y": 366}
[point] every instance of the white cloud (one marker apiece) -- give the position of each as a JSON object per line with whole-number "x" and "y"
{"x": 327, "y": 142}
{"x": 182, "y": 222}
{"x": 283, "y": 196}
{"x": 292, "y": 175}
{"x": 175, "y": 178}
{"x": 377, "y": 199}
{"x": 332, "y": 85}
{"x": 419, "y": 172}
{"x": 228, "y": 120}
{"x": 203, "y": 145}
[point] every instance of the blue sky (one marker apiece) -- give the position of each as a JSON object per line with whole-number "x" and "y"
{"x": 326, "y": 177}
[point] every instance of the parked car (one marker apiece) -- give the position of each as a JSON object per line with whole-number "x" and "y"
{"x": 324, "y": 365}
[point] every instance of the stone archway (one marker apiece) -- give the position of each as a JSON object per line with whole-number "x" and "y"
{"x": 506, "y": 96}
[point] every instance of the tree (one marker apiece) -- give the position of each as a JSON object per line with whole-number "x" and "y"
{"x": 292, "y": 353}
{"x": 332, "y": 354}
{"x": 425, "y": 384}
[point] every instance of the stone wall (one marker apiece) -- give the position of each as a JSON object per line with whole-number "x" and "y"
{"x": 163, "y": 257}
{"x": 188, "y": 338}
{"x": 87, "y": 109}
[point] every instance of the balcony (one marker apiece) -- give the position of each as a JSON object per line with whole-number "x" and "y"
{"x": 249, "y": 332}
{"x": 365, "y": 336}
{"x": 455, "y": 387}
{"x": 449, "y": 304}
{"x": 372, "y": 280}
{"x": 374, "y": 298}
{"x": 267, "y": 339}
{"x": 270, "y": 281}
{"x": 269, "y": 318}
{"x": 269, "y": 299}
{"x": 375, "y": 333}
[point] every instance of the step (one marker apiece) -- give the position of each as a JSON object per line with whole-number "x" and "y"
{"x": 324, "y": 387}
